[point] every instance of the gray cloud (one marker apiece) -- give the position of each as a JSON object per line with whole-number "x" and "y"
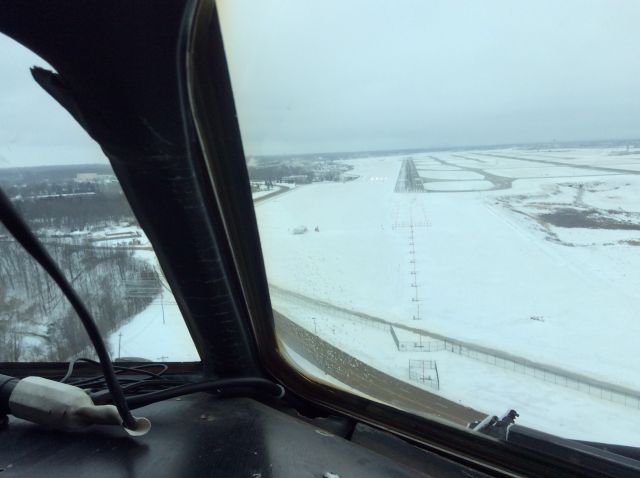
{"x": 335, "y": 75}
{"x": 34, "y": 129}
{"x": 362, "y": 74}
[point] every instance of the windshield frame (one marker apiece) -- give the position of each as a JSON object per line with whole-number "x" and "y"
{"x": 213, "y": 108}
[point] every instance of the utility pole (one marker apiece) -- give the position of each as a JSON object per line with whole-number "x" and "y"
{"x": 119, "y": 343}
{"x": 315, "y": 328}
{"x": 412, "y": 226}
{"x": 414, "y": 272}
{"x": 162, "y": 302}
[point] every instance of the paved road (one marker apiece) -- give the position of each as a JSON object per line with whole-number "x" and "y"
{"x": 367, "y": 379}
{"x": 565, "y": 164}
{"x": 281, "y": 190}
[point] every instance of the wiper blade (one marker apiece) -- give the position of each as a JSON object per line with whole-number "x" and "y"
{"x": 494, "y": 426}
{"x": 593, "y": 458}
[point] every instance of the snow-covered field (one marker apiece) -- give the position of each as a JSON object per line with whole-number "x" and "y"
{"x": 497, "y": 267}
{"x": 151, "y": 337}
{"x": 159, "y": 332}
{"x": 482, "y": 386}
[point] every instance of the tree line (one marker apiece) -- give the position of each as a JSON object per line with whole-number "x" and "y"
{"x": 36, "y": 321}
{"x": 276, "y": 172}
{"x": 74, "y": 213}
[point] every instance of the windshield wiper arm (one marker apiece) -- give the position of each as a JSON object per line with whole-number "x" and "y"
{"x": 595, "y": 458}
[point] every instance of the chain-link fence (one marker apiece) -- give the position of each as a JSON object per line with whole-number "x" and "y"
{"x": 420, "y": 344}
{"x": 607, "y": 391}
{"x": 426, "y": 372}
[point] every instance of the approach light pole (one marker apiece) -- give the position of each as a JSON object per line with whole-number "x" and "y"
{"x": 162, "y": 303}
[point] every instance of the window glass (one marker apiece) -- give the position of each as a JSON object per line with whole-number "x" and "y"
{"x": 64, "y": 187}
{"x": 447, "y": 198}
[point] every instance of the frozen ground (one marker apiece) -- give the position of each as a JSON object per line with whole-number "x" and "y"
{"x": 504, "y": 268}
{"x": 157, "y": 333}
{"x": 475, "y": 384}
{"x": 147, "y": 336}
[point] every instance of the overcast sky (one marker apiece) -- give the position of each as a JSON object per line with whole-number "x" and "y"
{"x": 34, "y": 129}
{"x": 338, "y": 75}
{"x": 335, "y": 75}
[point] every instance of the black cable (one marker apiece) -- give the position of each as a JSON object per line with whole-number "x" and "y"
{"x": 22, "y": 233}
{"x": 176, "y": 388}
{"x": 102, "y": 396}
{"x": 98, "y": 383}
{"x": 152, "y": 384}
{"x": 140, "y": 369}
{"x": 138, "y": 401}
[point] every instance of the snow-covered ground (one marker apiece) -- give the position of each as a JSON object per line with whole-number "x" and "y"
{"x": 479, "y": 385}
{"x": 150, "y": 336}
{"x": 487, "y": 268}
{"x": 157, "y": 333}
